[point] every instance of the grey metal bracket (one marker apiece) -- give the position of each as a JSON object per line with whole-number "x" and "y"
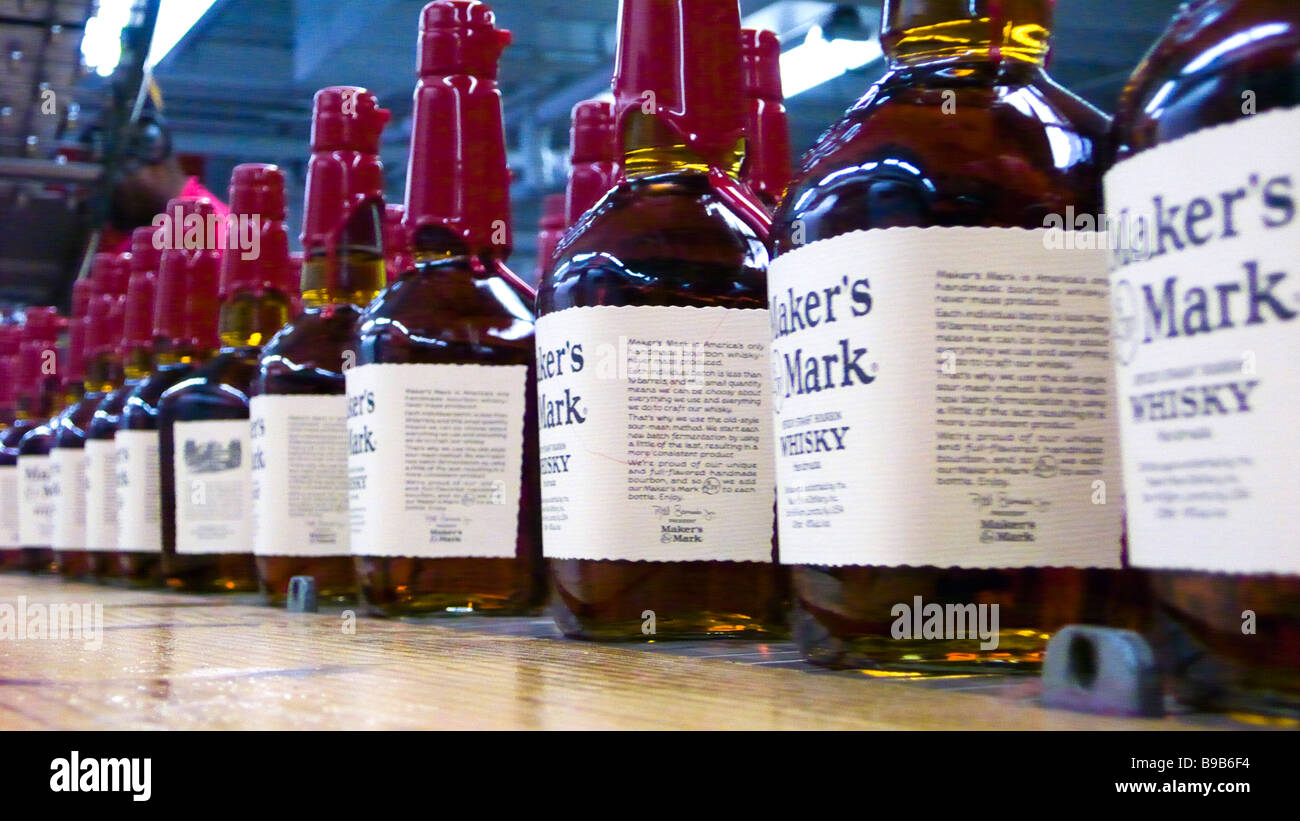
{"x": 1102, "y": 670}
{"x": 302, "y": 595}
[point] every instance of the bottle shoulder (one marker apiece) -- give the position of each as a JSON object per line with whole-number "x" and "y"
{"x": 947, "y": 148}
{"x": 446, "y": 311}
{"x": 1217, "y": 62}
{"x": 103, "y": 424}
{"x": 219, "y": 386}
{"x": 661, "y": 240}
{"x": 309, "y": 354}
{"x": 73, "y": 423}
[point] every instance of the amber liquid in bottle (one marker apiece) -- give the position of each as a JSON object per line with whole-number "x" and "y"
{"x": 1198, "y": 632}
{"x": 960, "y": 132}
{"x": 663, "y": 237}
{"x": 308, "y": 357}
{"x": 217, "y": 391}
{"x": 453, "y": 308}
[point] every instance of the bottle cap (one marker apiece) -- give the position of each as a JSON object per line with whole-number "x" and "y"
{"x": 137, "y": 313}
{"x": 40, "y": 334}
{"x": 103, "y": 323}
{"x": 345, "y": 170}
{"x": 767, "y": 130}
{"x": 257, "y": 263}
{"x": 680, "y": 61}
{"x": 187, "y": 299}
{"x": 10, "y": 340}
{"x": 72, "y": 359}
{"x": 457, "y": 178}
{"x": 593, "y": 157}
{"x": 145, "y": 254}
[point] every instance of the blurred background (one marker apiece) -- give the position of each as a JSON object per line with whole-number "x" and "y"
{"x": 237, "y": 76}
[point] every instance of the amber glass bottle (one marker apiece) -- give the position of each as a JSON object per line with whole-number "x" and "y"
{"x": 15, "y": 425}
{"x": 767, "y": 130}
{"x": 134, "y": 349}
{"x": 299, "y": 407}
{"x": 203, "y": 430}
{"x": 96, "y": 372}
{"x": 1207, "y": 384}
{"x": 947, "y": 467}
{"x": 51, "y": 378}
{"x": 184, "y": 337}
{"x": 652, "y": 338}
{"x": 37, "y": 389}
{"x": 442, "y": 453}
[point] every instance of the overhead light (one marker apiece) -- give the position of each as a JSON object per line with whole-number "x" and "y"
{"x": 101, "y": 46}
{"x": 818, "y": 60}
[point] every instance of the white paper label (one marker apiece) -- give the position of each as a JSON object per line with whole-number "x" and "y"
{"x": 68, "y": 480}
{"x": 139, "y": 499}
{"x": 655, "y": 434}
{"x": 101, "y": 495}
{"x": 435, "y": 459}
{"x": 1207, "y": 318}
{"x": 36, "y": 500}
{"x": 213, "y": 487}
{"x": 9, "y": 505}
{"x": 300, "y": 475}
{"x": 944, "y": 398}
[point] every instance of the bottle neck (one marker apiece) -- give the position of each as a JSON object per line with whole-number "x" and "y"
{"x": 139, "y": 363}
{"x": 72, "y": 393}
{"x": 249, "y": 319}
{"x": 354, "y": 273}
{"x": 650, "y": 148}
{"x": 927, "y": 32}
{"x": 104, "y": 373}
{"x": 167, "y": 355}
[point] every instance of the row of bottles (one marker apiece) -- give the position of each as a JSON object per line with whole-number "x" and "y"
{"x": 906, "y": 344}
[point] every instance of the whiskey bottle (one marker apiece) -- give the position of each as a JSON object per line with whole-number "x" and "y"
{"x": 15, "y": 426}
{"x": 95, "y": 371}
{"x": 203, "y": 422}
{"x": 593, "y": 158}
{"x": 40, "y": 365}
{"x": 766, "y": 169}
{"x": 183, "y": 332}
{"x": 442, "y": 451}
{"x": 947, "y": 468}
{"x": 1202, "y": 201}
{"x": 134, "y": 349}
{"x": 652, "y": 363}
{"x": 299, "y": 406}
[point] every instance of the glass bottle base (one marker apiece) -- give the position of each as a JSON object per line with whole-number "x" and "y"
{"x": 28, "y": 560}
{"x": 137, "y": 570}
{"x": 336, "y": 577}
{"x": 661, "y": 601}
{"x": 211, "y": 573}
{"x": 1230, "y": 643}
{"x": 941, "y": 621}
{"x": 403, "y": 586}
